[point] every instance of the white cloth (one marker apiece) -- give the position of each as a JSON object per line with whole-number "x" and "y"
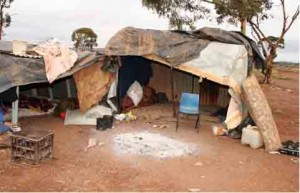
{"x": 58, "y": 58}
{"x": 135, "y": 93}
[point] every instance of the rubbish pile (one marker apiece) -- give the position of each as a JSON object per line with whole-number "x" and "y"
{"x": 290, "y": 148}
{"x": 154, "y": 145}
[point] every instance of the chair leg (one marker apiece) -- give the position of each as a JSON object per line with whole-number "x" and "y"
{"x": 197, "y": 126}
{"x": 177, "y": 121}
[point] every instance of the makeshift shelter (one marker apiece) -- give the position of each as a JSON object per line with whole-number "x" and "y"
{"x": 29, "y": 68}
{"x": 223, "y": 57}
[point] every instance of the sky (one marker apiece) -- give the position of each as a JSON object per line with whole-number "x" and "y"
{"x": 38, "y": 20}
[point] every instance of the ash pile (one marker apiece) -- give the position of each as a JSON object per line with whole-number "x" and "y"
{"x": 154, "y": 145}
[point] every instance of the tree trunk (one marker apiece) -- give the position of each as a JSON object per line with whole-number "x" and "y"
{"x": 243, "y": 26}
{"x": 1, "y": 24}
{"x": 269, "y": 61}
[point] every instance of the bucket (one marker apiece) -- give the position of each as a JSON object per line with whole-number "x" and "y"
{"x": 19, "y": 47}
{"x": 106, "y": 122}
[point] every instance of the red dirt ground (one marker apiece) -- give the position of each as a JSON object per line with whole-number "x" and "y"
{"x": 226, "y": 164}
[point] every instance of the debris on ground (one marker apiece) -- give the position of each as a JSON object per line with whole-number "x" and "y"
{"x": 160, "y": 126}
{"x": 295, "y": 160}
{"x": 120, "y": 117}
{"x": 274, "y": 152}
{"x": 194, "y": 190}
{"x": 234, "y": 133}
{"x": 163, "y": 126}
{"x": 127, "y": 116}
{"x": 150, "y": 144}
{"x": 16, "y": 128}
{"x": 130, "y": 116}
{"x": 198, "y": 164}
{"x": 290, "y": 148}
{"x": 93, "y": 142}
{"x": 218, "y": 130}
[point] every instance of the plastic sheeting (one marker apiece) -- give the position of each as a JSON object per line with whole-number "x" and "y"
{"x": 177, "y": 47}
{"x": 225, "y": 64}
{"x": 18, "y": 71}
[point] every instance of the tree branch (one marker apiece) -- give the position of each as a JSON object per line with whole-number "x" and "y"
{"x": 285, "y": 28}
{"x": 296, "y": 14}
{"x": 260, "y": 42}
{"x": 2, "y": 5}
{"x": 255, "y": 26}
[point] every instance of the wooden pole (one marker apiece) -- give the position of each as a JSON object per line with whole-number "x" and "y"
{"x": 15, "y": 109}
{"x": 172, "y": 87}
{"x": 118, "y": 87}
{"x": 199, "y": 91}
{"x": 193, "y": 83}
{"x": 68, "y": 84}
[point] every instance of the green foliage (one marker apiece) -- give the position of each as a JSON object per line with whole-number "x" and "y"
{"x": 180, "y": 13}
{"x": 234, "y": 11}
{"x": 84, "y": 38}
{"x": 184, "y": 13}
{"x": 273, "y": 40}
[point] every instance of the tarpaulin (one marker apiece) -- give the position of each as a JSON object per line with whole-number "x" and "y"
{"x": 23, "y": 70}
{"x": 178, "y": 47}
{"x": 58, "y": 57}
{"x": 92, "y": 83}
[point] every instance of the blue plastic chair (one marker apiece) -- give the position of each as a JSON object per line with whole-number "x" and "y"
{"x": 189, "y": 104}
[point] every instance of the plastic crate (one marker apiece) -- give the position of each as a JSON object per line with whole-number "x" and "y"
{"x": 31, "y": 146}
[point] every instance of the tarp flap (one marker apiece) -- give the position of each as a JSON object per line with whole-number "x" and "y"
{"x": 176, "y": 47}
{"x": 92, "y": 84}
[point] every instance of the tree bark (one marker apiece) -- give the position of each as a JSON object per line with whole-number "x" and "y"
{"x": 1, "y": 23}
{"x": 261, "y": 113}
{"x": 270, "y": 61}
{"x": 243, "y": 26}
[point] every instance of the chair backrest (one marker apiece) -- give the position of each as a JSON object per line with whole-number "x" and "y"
{"x": 189, "y": 100}
{"x": 1, "y": 116}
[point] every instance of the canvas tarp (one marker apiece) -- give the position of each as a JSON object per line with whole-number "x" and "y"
{"x": 18, "y": 71}
{"x": 177, "y": 47}
{"x": 92, "y": 84}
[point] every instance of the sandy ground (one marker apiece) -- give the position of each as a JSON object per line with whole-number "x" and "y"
{"x": 223, "y": 164}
